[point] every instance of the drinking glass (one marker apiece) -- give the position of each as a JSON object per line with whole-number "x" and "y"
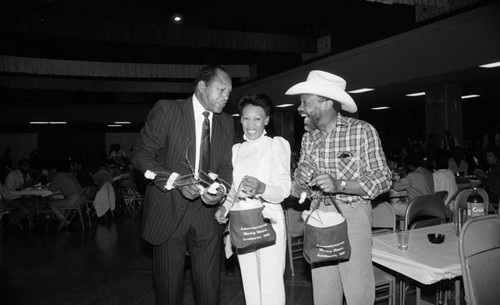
{"x": 403, "y": 237}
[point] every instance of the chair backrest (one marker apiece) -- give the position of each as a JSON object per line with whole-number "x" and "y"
{"x": 84, "y": 195}
{"x": 423, "y": 211}
{"x": 442, "y": 194}
{"x": 294, "y": 222}
{"x": 383, "y": 218}
{"x": 479, "y": 251}
{"x": 461, "y": 199}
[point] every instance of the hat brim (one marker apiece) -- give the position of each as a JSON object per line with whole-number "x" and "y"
{"x": 331, "y": 92}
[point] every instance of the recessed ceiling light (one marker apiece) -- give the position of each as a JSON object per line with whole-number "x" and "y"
{"x": 464, "y": 97}
{"x": 361, "y": 90}
{"x": 38, "y": 123}
{"x": 177, "y": 18}
{"x": 491, "y": 65}
{"x": 58, "y": 123}
{"x": 123, "y": 123}
{"x": 380, "y": 108}
{"x": 416, "y": 94}
{"x": 114, "y": 125}
{"x": 284, "y": 105}
{"x": 236, "y": 114}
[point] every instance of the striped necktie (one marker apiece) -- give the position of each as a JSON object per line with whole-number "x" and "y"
{"x": 205, "y": 145}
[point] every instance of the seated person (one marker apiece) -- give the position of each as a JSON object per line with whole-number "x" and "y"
{"x": 457, "y": 163}
{"x": 118, "y": 155}
{"x": 24, "y": 206}
{"x": 491, "y": 177}
{"x": 418, "y": 182}
{"x": 63, "y": 181}
{"x": 475, "y": 159}
{"x": 444, "y": 180}
{"x": 104, "y": 174}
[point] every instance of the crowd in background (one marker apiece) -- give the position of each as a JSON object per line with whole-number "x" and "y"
{"x": 476, "y": 157}
{"x": 68, "y": 173}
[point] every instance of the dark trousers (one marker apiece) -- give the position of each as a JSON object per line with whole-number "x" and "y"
{"x": 200, "y": 236}
{"x": 23, "y": 207}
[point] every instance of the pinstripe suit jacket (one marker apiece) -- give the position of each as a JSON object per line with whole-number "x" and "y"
{"x": 167, "y": 133}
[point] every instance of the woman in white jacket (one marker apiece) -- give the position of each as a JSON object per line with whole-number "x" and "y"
{"x": 262, "y": 167}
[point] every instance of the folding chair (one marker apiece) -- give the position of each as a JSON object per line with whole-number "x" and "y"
{"x": 479, "y": 251}
{"x": 441, "y": 195}
{"x": 424, "y": 211}
{"x": 80, "y": 208}
{"x": 383, "y": 218}
{"x": 294, "y": 236}
{"x": 384, "y": 221}
{"x": 461, "y": 200}
{"x": 132, "y": 198}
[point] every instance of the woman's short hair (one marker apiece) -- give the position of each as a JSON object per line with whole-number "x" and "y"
{"x": 259, "y": 100}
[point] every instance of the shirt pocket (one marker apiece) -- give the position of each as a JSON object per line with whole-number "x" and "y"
{"x": 348, "y": 165}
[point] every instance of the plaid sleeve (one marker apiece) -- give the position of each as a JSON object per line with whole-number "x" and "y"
{"x": 376, "y": 178}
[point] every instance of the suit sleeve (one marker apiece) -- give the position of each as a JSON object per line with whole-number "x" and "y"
{"x": 152, "y": 139}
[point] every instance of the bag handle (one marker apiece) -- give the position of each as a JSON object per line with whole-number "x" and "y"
{"x": 334, "y": 203}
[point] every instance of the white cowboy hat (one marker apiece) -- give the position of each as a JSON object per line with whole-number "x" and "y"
{"x": 327, "y": 85}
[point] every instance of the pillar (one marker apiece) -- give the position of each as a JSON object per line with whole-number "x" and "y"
{"x": 443, "y": 110}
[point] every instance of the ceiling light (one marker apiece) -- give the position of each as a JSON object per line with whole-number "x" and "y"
{"x": 38, "y": 123}
{"x": 491, "y": 65}
{"x": 464, "y": 97}
{"x": 416, "y": 94}
{"x": 123, "y": 123}
{"x": 177, "y": 18}
{"x": 380, "y": 108}
{"x": 284, "y": 105}
{"x": 114, "y": 125}
{"x": 236, "y": 114}
{"x": 361, "y": 90}
{"x": 58, "y": 123}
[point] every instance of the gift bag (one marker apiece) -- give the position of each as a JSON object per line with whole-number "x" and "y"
{"x": 249, "y": 230}
{"x": 326, "y": 244}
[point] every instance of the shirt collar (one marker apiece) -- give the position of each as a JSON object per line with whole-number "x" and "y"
{"x": 341, "y": 121}
{"x": 198, "y": 108}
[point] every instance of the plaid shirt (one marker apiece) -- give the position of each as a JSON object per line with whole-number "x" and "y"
{"x": 352, "y": 151}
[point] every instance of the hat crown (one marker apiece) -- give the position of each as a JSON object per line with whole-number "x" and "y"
{"x": 327, "y": 85}
{"x": 327, "y": 79}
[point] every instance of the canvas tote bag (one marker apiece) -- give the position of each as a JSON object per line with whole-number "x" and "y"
{"x": 249, "y": 230}
{"x": 326, "y": 244}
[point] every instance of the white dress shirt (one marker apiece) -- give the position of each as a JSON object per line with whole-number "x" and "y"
{"x": 444, "y": 180}
{"x": 198, "y": 120}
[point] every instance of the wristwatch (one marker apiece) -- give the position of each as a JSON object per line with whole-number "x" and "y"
{"x": 343, "y": 185}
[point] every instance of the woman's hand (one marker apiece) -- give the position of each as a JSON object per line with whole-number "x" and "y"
{"x": 251, "y": 187}
{"x": 220, "y": 215}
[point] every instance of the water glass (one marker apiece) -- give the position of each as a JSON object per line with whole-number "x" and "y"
{"x": 403, "y": 237}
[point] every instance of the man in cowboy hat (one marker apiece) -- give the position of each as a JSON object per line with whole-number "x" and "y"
{"x": 342, "y": 156}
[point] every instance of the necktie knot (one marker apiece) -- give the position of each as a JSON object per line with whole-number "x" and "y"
{"x": 206, "y": 114}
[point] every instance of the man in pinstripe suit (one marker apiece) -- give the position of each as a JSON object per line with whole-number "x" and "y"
{"x": 177, "y": 219}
